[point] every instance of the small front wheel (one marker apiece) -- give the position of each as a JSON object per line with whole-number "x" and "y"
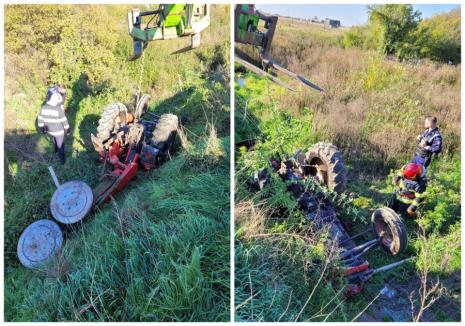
{"x": 390, "y": 229}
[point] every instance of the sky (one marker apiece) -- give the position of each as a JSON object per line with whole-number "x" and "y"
{"x": 349, "y": 15}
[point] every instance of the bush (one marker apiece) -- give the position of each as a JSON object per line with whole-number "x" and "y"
{"x": 442, "y": 208}
{"x": 440, "y": 254}
{"x": 398, "y": 30}
{"x": 397, "y": 23}
{"x": 443, "y": 41}
{"x": 354, "y": 37}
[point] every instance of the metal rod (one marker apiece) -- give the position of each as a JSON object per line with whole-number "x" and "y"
{"x": 391, "y": 266}
{"x": 352, "y": 258}
{"x": 150, "y": 12}
{"x": 355, "y": 236}
{"x": 259, "y": 71}
{"x": 292, "y": 74}
{"x": 54, "y": 176}
{"x": 354, "y": 250}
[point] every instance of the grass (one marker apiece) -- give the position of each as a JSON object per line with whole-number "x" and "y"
{"x": 371, "y": 109}
{"x": 165, "y": 242}
{"x": 160, "y": 250}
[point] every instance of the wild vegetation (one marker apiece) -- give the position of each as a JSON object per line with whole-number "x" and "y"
{"x": 398, "y": 30}
{"x": 372, "y": 109}
{"x": 160, "y": 250}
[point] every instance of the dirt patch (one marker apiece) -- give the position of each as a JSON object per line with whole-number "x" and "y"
{"x": 395, "y": 305}
{"x": 26, "y": 146}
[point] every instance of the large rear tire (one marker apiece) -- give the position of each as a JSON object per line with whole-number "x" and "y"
{"x": 165, "y": 131}
{"x": 389, "y": 227}
{"x": 325, "y": 162}
{"x": 113, "y": 118}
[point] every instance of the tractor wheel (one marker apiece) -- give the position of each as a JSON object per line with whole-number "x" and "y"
{"x": 326, "y": 163}
{"x": 164, "y": 132}
{"x": 142, "y": 106}
{"x": 390, "y": 229}
{"x": 112, "y": 119}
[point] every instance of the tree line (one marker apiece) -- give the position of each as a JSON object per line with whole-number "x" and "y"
{"x": 399, "y": 30}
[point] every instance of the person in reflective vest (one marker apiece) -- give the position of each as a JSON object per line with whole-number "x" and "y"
{"x": 411, "y": 189}
{"x": 429, "y": 143}
{"x": 52, "y": 120}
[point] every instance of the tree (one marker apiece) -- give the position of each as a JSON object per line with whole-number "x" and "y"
{"x": 396, "y": 23}
{"x": 444, "y": 39}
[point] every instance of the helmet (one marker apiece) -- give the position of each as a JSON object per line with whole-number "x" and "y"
{"x": 412, "y": 171}
{"x": 55, "y": 99}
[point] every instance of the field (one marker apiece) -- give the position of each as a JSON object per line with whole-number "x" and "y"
{"x": 159, "y": 251}
{"x": 372, "y": 110}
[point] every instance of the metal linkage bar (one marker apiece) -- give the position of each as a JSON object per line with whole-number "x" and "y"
{"x": 393, "y": 265}
{"x": 259, "y": 71}
{"x": 356, "y": 236}
{"x": 292, "y": 74}
{"x": 365, "y": 250}
{"x": 357, "y": 249}
{"x": 54, "y": 176}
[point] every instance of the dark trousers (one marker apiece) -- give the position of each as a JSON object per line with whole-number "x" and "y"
{"x": 59, "y": 144}
{"x": 425, "y": 161}
{"x": 398, "y": 206}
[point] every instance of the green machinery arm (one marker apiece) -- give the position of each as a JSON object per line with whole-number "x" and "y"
{"x": 167, "y": 22}
{"x": 247, "y": 31}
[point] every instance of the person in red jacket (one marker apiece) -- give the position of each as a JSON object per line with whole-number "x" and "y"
{"x": 411, "y": 187}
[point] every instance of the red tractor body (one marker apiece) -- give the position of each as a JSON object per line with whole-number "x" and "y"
{"x": 126, "y": 143}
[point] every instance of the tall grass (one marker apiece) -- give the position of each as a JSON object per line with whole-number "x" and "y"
{"x": 159, "y": 251}
{"x": 372, "y": 107}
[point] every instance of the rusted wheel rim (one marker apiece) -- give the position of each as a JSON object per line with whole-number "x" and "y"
{"x": 39, "y": 242}
{"x": 384, "y": 232}
{"x": 320, "y": 170}
{"x": 71, "y": 202}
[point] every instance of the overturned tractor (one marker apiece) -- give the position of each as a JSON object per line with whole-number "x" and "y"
{"x": 125, "y": 140}
{"x": 324, "y": 164}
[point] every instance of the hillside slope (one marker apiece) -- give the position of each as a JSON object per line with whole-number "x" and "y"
{"x": 372, "y": 109}
{"x": 160, "y": 250}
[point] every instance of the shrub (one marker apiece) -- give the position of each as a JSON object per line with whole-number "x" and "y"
{"x": 354, "y": 37}
{"x": 398, "y": 30}
{"x": 397, "y": 23}
{"x": 443, "y": 41}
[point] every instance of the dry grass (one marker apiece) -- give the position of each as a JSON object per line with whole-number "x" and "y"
{"x": 362, "y": 91}
{"x": 250, "y": 218}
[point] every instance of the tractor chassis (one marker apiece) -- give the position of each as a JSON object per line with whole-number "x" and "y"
{"x": 122, "y": 174}
{"x": 320, "y": 212}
